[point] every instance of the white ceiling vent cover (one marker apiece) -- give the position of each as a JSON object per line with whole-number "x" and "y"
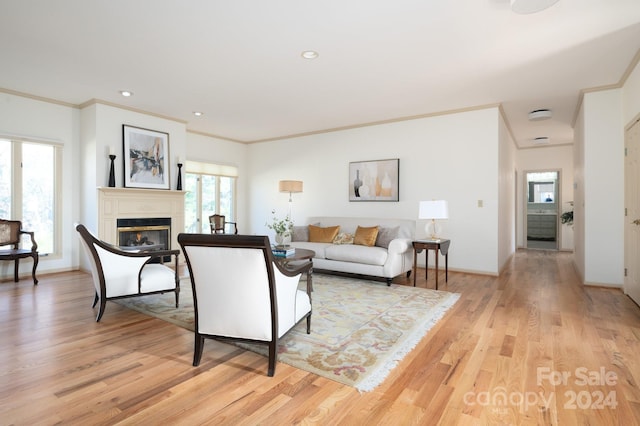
{"x": 525, "y": 7}
{"x": 543, "y": 140}
{"x": 539, "y": 114}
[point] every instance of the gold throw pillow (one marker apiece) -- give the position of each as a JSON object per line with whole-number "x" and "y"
{"x": 366, "y": 236}
{"x": 318, "y": 234}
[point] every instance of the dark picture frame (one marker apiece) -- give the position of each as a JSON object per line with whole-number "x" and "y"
{"x": 376, "y": 180}
{"x": 146, "y": 158}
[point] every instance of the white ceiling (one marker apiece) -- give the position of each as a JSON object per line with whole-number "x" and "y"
{"x": 239, "y": 61}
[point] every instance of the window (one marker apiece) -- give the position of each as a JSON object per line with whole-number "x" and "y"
{"x": 211, "y": 189}
{"x": 28, "y": 182}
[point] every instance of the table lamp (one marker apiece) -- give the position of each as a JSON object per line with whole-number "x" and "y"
{"x": 434, "y": 209}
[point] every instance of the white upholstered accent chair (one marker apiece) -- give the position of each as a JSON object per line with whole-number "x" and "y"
{"x": 118, "y": 274}
{"x": 242, "y": 293}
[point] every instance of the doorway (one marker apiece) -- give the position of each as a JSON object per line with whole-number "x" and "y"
{"x": 541, "y": 209}
{"x": 632, "y": 212}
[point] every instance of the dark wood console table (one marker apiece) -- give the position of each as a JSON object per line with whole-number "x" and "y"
{"x": 435, "y": 245}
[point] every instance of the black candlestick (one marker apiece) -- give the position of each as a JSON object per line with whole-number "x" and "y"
{"x": 112, "y": 174}
{"x": 179, "y": 186}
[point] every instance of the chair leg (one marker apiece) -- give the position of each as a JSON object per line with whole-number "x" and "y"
{"x": 103, "y": 303}
{"x": 309, "y": 324}
{"x": 177, "y": 297}
{"x": 197, "y": 350}
{"x": 16, "y": 266}
{"x": 273, "y": 357}
{"x": 33, "y": 271}
{"x": 95, "y": 300}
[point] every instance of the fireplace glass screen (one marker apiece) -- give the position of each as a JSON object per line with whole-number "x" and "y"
{"x": 144, "y": 234}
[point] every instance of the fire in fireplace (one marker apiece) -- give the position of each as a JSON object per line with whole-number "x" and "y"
{"x": 144, "y": 233}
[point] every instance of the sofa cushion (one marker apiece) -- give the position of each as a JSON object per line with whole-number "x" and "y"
{"x": 386, "y": 235}
{"x": 366, "y": 236}
{"x": 301, "y": 233}
{"x": 318, "y": 234}
{"x": 343, "y": 238}
{"x": 356, "y": 254}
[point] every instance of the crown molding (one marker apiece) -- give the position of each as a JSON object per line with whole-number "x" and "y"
{"x": 623, "y": 79}
{"x": 140, "y": 111}
{"x": 377, "y": 123}
{"x": 37, "y": 98}
{"x": 211, "y": 135}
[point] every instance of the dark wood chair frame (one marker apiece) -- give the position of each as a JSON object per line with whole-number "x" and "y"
{"x": 218, "y": 224}
{"x": 156, "y": 255}
{"x": 249, "y": 242}
{"x": 15, "y": 253}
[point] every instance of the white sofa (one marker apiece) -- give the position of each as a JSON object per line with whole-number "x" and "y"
{"x": 390, "y": 257}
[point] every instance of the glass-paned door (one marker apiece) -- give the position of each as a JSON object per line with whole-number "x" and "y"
{"x": 38, "y": 183}
{"x": 207, "y": 195}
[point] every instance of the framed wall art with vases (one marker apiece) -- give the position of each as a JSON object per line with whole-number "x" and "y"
{"x": 375, "y": 180}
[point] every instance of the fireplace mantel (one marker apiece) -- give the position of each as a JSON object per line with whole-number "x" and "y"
{"x": 114, "y": 203}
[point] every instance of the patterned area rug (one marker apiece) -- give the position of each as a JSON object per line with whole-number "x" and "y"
{"x": 359, "y": 329}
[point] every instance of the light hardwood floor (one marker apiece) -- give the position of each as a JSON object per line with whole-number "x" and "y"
{"x": 508, "y": 346}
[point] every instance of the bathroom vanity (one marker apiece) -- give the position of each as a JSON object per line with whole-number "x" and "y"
{"x": 542, "y": 226}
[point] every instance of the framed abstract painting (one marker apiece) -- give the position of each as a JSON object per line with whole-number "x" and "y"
{"x": 146, "y": 158}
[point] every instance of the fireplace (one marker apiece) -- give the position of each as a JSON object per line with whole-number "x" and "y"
{"x": 144, "y": 234}
{"x": 115, "y": 204}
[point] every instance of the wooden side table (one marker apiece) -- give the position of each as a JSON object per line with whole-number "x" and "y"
{"x": 435, "y": 245}
{"x": 300, "y": 255}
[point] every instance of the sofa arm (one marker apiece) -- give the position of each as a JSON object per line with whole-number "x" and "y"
{"x": 400, "y": 245}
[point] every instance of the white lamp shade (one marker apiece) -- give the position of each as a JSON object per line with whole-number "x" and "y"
{"x": 290, "y": 186}
{"x": 434, "y": 209}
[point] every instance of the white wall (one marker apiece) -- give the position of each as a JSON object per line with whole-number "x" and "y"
{"x": 507, "y": 195}
{"x": 579, "y": 193}
{"x": 547, "y": 158}
{"x": 452, "y": 157}
{"x": 101, "y": 129}
{"x": 599, "y": 181}
{"x": 36, "y": 120}
{"x": 604, "y": 188}
{"x": 87, "y": 168}
{"x": 631, "y": 96}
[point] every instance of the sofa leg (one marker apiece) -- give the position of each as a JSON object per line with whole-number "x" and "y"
{"x": 389, "y": 281}
{"x": 408, "y": 274}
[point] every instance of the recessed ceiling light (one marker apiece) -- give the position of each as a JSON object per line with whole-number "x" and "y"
{"x": 197, "y": 113}
{"x": 126, "y": 93}
{"x": 310, "y": 54}
{"x": 539, "y": 114}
